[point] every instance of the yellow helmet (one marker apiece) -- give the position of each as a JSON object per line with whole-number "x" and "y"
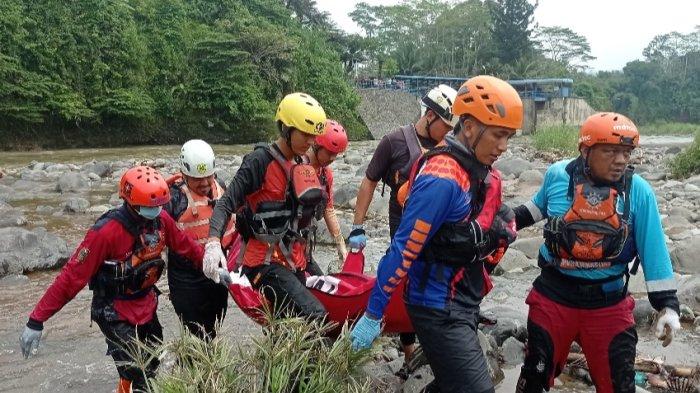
{"x": 303, "y": 112}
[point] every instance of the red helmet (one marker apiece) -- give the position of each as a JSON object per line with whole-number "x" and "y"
{"x": 334, "y": 137}
{"x": 610, "y": 128}
{"x": 144, "y": 186}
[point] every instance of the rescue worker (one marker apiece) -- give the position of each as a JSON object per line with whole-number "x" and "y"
{"x": 392, "y": 161}
{"x": 600, "y": 217}
{"x": 332, "y": 142}
{"x": 120, "y": 257}
{"x": 277, "y": 199}
{"x": 453, "y": 230}
{"x": 199, "y": 302}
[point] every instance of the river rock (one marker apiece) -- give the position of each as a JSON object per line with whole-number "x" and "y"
{"x": 687, "y": 314}
{"x": 353, "y": 159}
{"x": 695, "y": 180}
{"x": 417, "y": 381}
{"x": 514, "y": 260}
{"x": 689, "y": 291}
{"x": 44, "y": 209}
{"x": 685, "y": 256}
{"x": 10, "y": 216}
{"x": 676, "y": 223}
{"x": 643, "y": 313}
{"x": 344, "y": 192}
{"x": 531, "y": 177}
{"x": 360, "y": 172}
{"x": 38, "y": 175}
{"x": 98, "y": 209}
{"x": 13, "y": 279}
{"x": 530, "y": 246}
{"x": 115, "y": 200}
{"x": 100, "y": 168}
{"x": 379, "y": 205}
{"x": 511, "y": 323}
{"x": 680, "y": 211}
{"x": 57, "y": 168}
{"x": 689, "y": 187}
{"x": 76, "y": 205}
{"x": 512, "y": 166}
{"x": 491, "y": 355}
{"x": 513, "y": 352}
{"x": 22, "y": 250}
{"x": 73, "y": 182}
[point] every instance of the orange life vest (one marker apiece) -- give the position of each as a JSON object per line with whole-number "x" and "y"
{"x": 195, "y": 219}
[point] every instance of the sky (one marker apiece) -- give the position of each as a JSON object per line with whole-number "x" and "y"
{"x": 617, "y": 30}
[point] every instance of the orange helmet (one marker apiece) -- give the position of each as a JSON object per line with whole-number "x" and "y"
{"x": 490, "y": 100}
{"x": 144, "y": 186}
{"x": 610, "y": 128}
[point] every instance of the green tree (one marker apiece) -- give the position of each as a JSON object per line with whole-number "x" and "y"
{"x": 511, "y": 28}
{"x": 562, "y": 44}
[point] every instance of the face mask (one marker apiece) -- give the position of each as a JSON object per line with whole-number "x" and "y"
{"x": 149, "y": 213}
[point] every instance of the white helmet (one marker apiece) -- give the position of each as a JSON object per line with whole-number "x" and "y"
{"x": 197, "y": 159}
{"x": 439, "y": 99}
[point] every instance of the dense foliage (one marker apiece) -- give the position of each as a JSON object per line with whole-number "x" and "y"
{"x": 161, "y": 71}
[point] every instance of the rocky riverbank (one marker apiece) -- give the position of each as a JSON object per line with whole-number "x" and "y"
{"x": 48, "y": 201}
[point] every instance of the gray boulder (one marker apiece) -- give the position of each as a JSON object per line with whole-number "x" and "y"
{"x": 513, "y": 352}
{"x": 685, "y": 256}
{"x": 511, "y": 323}
{"x": 98, "y": 209}
{"x": 57, "y": 168}
{"x": 512, "y": 166}
{"x": 689, "y": 291}
{"x": 643, "y": 313}
{"x": 100, "y": 168}
{"x": 11, "y": 217}
{"x": 73, "y": 182}
{"x": 34, "y": 175}
{"x": 514, "y": 260}
{"x": 343, "y": 193}
{"x": 530, "y": 246}
{"x": 491, "y": 355}
{"x": 379, "y": 205}
{"x": 417, "y": 381}
{"x": 531, "y": 177}
{"x": 76, "y": 205}
{"x": 353, "y": 159}
{"x": 680, "y": 211}
{"x": 22, "y": 250}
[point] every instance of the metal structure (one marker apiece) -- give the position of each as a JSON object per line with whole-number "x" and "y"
{"x": 539, "y": 90}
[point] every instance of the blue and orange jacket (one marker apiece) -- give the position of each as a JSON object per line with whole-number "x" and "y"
{"x": 439, "y": 194}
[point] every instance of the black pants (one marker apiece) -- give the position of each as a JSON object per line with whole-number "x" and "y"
{"x": 286, "y": 290}
{"x": 200, "y": 306}
{"x": 120, "y": 336}
{"x": 450, "y": 342}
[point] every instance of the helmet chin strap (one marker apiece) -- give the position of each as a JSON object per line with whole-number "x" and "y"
{"x": 482, "y": 129}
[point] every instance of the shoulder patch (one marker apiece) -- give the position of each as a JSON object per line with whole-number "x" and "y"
{"x": 82, "y": 254}
{"x": 446, "y": 167}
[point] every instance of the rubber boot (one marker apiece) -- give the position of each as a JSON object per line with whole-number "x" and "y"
{"x": 124, "y": 386}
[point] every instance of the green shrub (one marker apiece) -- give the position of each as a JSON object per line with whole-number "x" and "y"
{"x": 687, "y": 162}
{"x": 559, "y": 138}
{"x": 669, "y": 128}
{"x": 293, "y": 355}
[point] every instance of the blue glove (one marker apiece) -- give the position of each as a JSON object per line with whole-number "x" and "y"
{"x": 364, "y": 332}
{"x": 357, "y": 239}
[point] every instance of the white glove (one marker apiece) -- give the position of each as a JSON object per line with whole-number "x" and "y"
{"x": 667, "y": 324}
{"x": 29, "y": 341}
{"x": 213, "y": 259}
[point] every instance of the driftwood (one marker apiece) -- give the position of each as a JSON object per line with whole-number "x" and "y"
{"x": 668, "y": 377}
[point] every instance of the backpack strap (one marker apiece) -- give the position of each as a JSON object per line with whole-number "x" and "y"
{"x": 414, "y": 148}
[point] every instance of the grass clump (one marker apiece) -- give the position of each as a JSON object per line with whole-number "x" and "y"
{"x": 687, "y": 162}
{"x": 293, "y": 355}
{"x": 557, "y": 138}
{"x": 669, "y": 128}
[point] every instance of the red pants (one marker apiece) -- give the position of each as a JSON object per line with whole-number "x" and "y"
{"x": 606, "y": 335}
